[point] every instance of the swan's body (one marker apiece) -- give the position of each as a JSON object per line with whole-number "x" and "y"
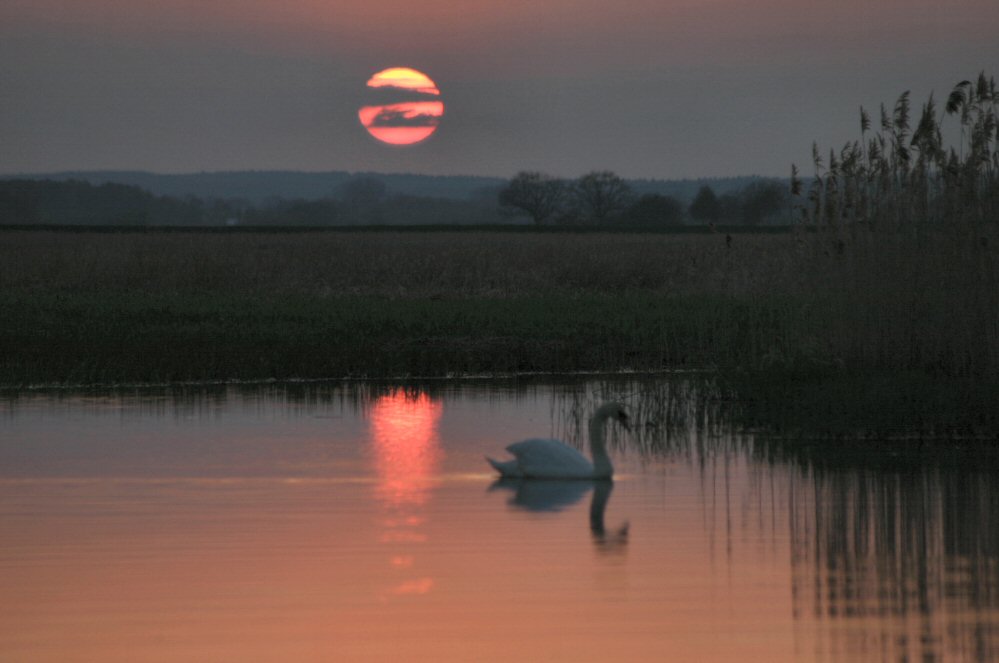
{"x": 545, "y": 459}
{"x": 551, "y": 459}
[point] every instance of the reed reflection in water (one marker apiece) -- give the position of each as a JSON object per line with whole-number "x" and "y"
{"x": 897, "y": 565}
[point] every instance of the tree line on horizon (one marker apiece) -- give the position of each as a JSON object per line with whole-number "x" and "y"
{"x": 599, "y": 198}
{"x": 604, "y": 198}
{"x": 359, "y": 201}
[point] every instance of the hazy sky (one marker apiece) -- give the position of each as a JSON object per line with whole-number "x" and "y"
{"x": 648, "y": 88}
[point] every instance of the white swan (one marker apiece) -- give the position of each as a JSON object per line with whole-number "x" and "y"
{"x": 551, "y": 459}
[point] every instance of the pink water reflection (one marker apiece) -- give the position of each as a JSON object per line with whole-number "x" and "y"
{"x": 407, "y": 453}
{"x": 406, "y": 447}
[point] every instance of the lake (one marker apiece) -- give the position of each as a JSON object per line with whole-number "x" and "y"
{"x": 360, "y": 522}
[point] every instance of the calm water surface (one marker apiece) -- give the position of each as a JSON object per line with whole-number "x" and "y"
{"x": 362, "y": 524}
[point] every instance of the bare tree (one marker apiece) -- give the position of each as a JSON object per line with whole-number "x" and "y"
{"x": 538, "y": 195}
{"x": 601, "y": 196}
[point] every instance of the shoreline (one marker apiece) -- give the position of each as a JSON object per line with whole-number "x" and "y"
{"x": 783, "y": 318}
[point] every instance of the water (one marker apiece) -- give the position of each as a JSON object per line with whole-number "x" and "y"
{"x": 362, "y": 524}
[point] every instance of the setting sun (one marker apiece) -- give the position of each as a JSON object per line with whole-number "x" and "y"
{"x": 404, "y": 77}
{"x": 406, "y": 107}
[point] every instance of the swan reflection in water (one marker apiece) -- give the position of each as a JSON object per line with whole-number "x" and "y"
{"x": 553, "y": 496}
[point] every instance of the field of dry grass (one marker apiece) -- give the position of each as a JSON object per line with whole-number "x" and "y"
{"x": 394, "y": 264}
{"x": 110, "y": 307}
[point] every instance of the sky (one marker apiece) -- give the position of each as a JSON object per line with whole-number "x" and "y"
{"x": 646, "y": 88}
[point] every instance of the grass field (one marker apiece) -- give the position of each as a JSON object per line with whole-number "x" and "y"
{"x": 82, "y": 307}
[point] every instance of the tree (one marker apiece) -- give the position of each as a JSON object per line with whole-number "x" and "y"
{"x": 601, "y": 196}
{"x": 706, "y": 207}
{"x": 535, "y": 194}
{"x": 762, "y": 200}
{"x": 653, "y": 209}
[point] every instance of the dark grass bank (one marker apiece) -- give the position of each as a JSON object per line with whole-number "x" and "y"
{"x": 135, "y": 337}
{"x": 80, "y": 307}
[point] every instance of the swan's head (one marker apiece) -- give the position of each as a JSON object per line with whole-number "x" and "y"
{"x": 615, "y": 411}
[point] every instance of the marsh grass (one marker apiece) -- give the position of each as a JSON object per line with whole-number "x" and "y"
{"x": 904, "y": 228}
{"x": 106, "y": 338}
{"x": 900, "y": 264}
{"x": 78, "y": 307}
{"x": 887, "y": 420}
{"x": 391, "y": 264}
{"x": 83, "y": 307}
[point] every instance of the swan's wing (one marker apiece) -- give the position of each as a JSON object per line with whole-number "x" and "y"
{"x": 550, "y": 459}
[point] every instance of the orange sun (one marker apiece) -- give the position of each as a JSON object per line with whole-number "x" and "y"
{"x": 406, "y": 107}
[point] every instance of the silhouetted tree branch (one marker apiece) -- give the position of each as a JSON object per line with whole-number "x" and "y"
{"x": 538, "y": 195}
{"x": 600, "y": 196}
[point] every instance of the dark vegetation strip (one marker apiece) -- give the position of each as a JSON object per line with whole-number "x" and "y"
{"x": 882, "y": 335}
{"x": 423, "y": 228}
{"x": 135, "y": 337}
{"x": 84, "y": 307}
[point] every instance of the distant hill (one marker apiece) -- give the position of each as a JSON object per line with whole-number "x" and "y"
{"x": 260, "y": 186}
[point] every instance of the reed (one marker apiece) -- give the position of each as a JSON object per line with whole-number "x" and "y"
{"x": 903, "y": 175}
{"x": 904, "y": 228}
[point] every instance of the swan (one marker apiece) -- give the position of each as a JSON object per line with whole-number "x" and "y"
{"x": 551, "y": 459}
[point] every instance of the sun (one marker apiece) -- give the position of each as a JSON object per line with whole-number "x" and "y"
{"x": 405, "y": 106}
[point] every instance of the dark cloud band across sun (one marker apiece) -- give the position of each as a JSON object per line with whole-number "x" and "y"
{"x": 402, "y": 118}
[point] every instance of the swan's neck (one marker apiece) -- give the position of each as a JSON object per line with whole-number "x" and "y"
{"x": 602, "y": 467}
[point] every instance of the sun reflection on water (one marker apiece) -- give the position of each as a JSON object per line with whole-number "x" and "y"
{"x": 406, "y": 455}
{"x": 406, "y": 447}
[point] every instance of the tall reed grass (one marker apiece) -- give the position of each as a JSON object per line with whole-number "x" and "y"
{"x": 904, "y": 233}
{"x": 903, "y": 174}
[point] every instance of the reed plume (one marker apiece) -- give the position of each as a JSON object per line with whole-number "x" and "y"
{"x": 904, "y": 175}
